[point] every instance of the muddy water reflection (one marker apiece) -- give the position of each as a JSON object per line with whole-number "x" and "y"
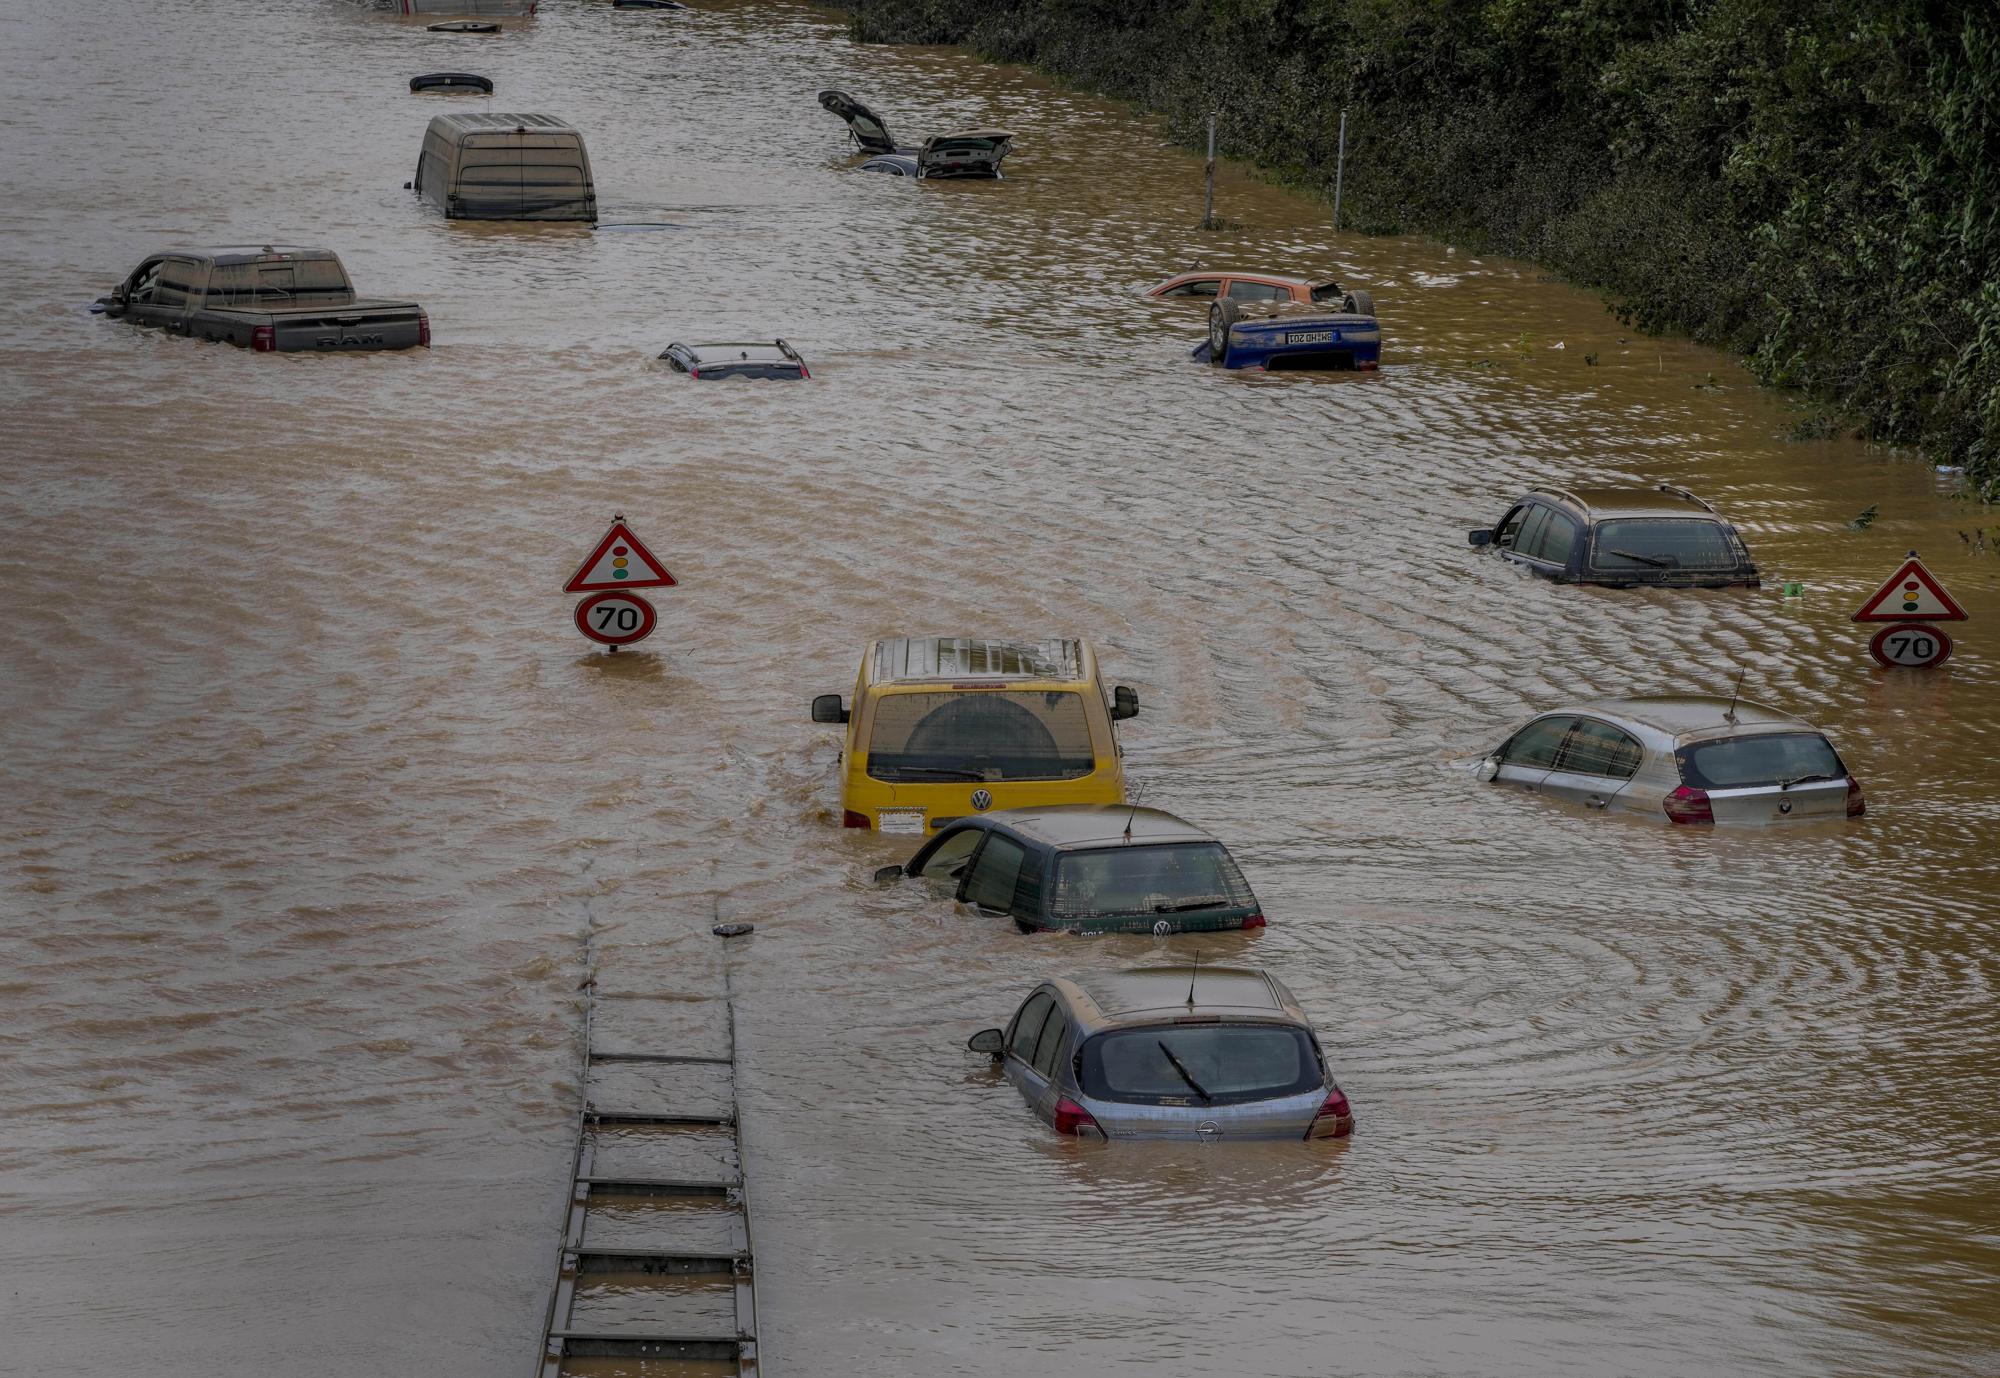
{"x": 310, "y": 792}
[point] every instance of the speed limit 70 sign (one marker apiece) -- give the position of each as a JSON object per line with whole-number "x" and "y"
{"x": 1913, "y": 645}
{"x": 615, "y": 619}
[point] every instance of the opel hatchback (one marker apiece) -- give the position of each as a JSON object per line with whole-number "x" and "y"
{"x": 945, "y": 727}
{"x": 1180, "y": 1052}
{"x": 1621, "y": 538}
{"x": 1685, "y": 758}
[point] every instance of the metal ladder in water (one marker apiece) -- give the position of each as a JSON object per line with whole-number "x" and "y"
{"x": 656, "y": 1261}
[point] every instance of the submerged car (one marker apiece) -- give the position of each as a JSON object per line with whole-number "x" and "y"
{"x": 713, "y": 361}
{"x": 946, "y": 727}
{"x": 972, "y": 153}
{"x": 1089, "y": 868}
{"x": 1686, "y": 758}
{"x": 1621, "y": 538}
{"x": 1181, "y": 1052}
{"x": 1293, "y": 335}
{"x": 1211, "y": 284}
{"x": 268, "y": 298}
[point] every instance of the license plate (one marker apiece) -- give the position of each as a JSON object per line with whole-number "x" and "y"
{"x": 1309, "y": 337}
{"x": 908, "y": 822}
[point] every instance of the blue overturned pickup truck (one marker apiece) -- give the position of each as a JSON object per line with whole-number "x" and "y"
{"x": 1283, "y": 335}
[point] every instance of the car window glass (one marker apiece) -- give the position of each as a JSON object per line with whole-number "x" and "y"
{"x": 176, "y": 281}
{"x": 1767, "y": 759}
{"x": 1026, "y": 1029}
{"x": 983, "y": 735}
{"x": 952, "y": 850}
{"x": 1530, "y": 538}
{"x": 1151, "y": 879}
{"x": 1327, "y": 291}
{"x": 1510, "y": 528}
{"x": 149, "y": 280}
{"x": 1229, "y": 1062}
{"x": 990, "y": 884}
{"x": 1537, "y": 743}
{"x": 1053, "y": 1025}
{"x": 1642, "y": 543}
{"x": 1242, "y": 290}
{"x": 1557, "y": 537}
{"x": 1200, "y": 287}
{"x": 1597, "y": 748}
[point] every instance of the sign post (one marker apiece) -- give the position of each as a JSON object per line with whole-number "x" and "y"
{"x": 613, "y": 615}
{"x": 1914, "y": 602}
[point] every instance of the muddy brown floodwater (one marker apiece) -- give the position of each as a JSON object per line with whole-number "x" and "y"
{"x": 310, "y": 790}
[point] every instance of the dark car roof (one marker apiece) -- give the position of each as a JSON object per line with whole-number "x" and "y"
{"x": 245, "y": 253}
{"x": 1608, "y": 502}
{"x": 745, "y": 352}
{"x": 1067, "y": 826}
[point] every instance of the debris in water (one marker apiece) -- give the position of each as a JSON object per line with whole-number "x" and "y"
{"x": 733, "y": 930}
{"x": 1862, "y": 522}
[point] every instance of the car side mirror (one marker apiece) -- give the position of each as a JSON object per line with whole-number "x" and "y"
{"x": 826, "y": 708}
{"x": 1487, "y": 769}
{"x": 989, "y": 1041}
{"x": 1124, "y": 704}
{"x": 1479, "y": 537}
{"x": 887, "y": 874}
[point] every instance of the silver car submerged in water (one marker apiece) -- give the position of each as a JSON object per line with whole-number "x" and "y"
{"x": 1185, "y": 1052}
{"x": 1687, "y": 758}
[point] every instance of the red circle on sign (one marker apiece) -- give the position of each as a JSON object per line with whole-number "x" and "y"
{"x": 1910, "y": 646}
{"x": 616, "y": 618}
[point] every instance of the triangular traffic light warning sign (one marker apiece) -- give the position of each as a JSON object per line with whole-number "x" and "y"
{"x": 619, "y": 562}
{"x": 1911, "y": 594}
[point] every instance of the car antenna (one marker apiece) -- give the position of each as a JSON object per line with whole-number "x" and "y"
{"x": 1729, "y": 713}
{"x": 1192, "y": 972}
{"x": 1134, "y": 813}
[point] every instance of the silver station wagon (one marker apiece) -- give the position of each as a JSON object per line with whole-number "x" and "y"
{"x": 1185, "y": 1052}
{"x": 1687, "y": 758}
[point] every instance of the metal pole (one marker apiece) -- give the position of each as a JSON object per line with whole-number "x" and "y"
{"x": 1208, "y": 204}
{"x": 1339, "y": 171}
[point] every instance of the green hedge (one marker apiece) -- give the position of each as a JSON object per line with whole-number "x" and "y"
{"x": 1814, "y": 183}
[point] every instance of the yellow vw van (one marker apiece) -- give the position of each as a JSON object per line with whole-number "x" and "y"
{"x": 942, "y": 727}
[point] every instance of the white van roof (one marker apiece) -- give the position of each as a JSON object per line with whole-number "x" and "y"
{"x": 500, "y": 124}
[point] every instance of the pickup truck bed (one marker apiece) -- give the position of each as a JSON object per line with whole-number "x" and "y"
{"x": 353, "y": 325}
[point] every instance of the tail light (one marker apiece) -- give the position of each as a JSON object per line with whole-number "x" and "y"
{"x": 804, "y": 372}
{"x": 424, "y": 329}
{"x": 1689, "y": 805}
{"x": 1335, "y": 1119}
{"x": 1254, "y": 921}
{"x": 850, "y": 819}
{"x": 1856, "y": 805}
{"x": 264, "y": 338}
{"x": 1074, "y": 1120}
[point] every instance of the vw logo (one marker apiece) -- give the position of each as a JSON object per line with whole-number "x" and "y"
{"x": 1161, "y": 928}
{"x": 982, "y": 800}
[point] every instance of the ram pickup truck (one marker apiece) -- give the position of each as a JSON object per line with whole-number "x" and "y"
{"x": 268, "y": 298}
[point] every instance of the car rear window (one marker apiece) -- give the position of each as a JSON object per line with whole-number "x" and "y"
{"x": 1666, "y": 543}
{"x": 984, "y": 734}
{"x": 1769, "y": 759}
{"x": 1328, "y": 291}
{"x": 1231, "y": 1063}
{"x": 1161, "y": 878}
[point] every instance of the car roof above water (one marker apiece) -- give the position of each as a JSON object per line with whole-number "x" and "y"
{"x": 1146, "y": 995}
{"x": 1067, "y": 826}
{"x": 1683, "y": 715}
{"x": 248, "y": 253}
{"x": 926, "y": 659}
{"x": 477, "y": 122}
{"x": 1608, "y": 502}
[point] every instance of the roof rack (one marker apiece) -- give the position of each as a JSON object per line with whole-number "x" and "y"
{"x": 1567, "y": 496}
{"x": 1681, "y": 492}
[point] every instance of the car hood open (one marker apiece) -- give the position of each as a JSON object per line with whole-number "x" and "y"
{"x": 869, "y": 130}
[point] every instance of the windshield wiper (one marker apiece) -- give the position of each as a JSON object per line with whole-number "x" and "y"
{"x": 1186, "y": 1076}
{"x": 940, "y": 772}
{"x": 1806, "y": 779}
{"x": 1205, "y": 902}
{"x": 1656, "y": 561}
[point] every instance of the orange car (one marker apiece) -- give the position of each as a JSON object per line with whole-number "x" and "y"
{"x": 1209, "y": 284}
